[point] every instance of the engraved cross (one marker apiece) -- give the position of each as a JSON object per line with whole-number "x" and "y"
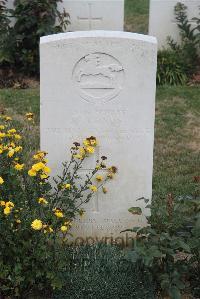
{"x": 88, "y": 166}
{"x": 90, "y": 19}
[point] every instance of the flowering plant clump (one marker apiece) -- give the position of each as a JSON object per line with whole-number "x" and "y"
{"x": 36, "y": 218}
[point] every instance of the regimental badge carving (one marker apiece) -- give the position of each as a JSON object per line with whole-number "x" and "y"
{"x": 98, "y": 77}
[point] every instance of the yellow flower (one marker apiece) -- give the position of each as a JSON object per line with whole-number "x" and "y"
{"x": 86, "y": 142}
{"x": 29, "y": 116}
{"x": 42, "y": 201}
{"x": 67, "y": 186}
{"x": 11, "y": 152}
{"x": 64, "y": 228}
{"x": 47, "y": 170}
{"x": 36, "y": 224}
{"x": 18, "y": 149}
{"x": 58, "y": 213}
{"x": 2, "y": 127}
{"x": 12, "y": 144}
{"x": 18, "y": 137}
{"x": 47, "y": 229}
{"x": 93, "y": 188}
{"x": 1, "y": 180}
{"x": 99, "y": 178}
{"x": 7, "y": 211}
{"x": 38, "y": 166}
{"x": 98, "y": 167}
{"x": 90, "y": 141}
{"x": 7, "y": 118}
{"x": 93, "y": 141}
{"x": 68, "y": 223}
{"x": 10, "y": 204}
{"x": 2, "y": 203}
{"x": 19, "y": 166}
{"x": 12, "y": 131}
{"x": 39, "y": 155}
{"x": 18, "y": 221}
{"x": 2, "y": 135}
{"x": 82, "y": 151}
{"x": 32, "y": 172}
{"x": 43, "y": 176}
{"x": 36, "y": 157}
{"x": 90, "y": 149}
{"x": 41, "y": 166}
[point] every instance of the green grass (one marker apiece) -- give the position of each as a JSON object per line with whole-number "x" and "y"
{"x": 177, "y": 140}
{"x": 177, "y": 133}
{"x": 137, "y": 16}
{"x": 20, "y": 100}
{"x": 136, "y": 7}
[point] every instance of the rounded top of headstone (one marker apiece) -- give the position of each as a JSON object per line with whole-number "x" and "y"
{"x": 98, "y": 34}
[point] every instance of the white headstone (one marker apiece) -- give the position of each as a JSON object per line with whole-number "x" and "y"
{"x": 102, "y": 83}
{"x": 162, "y": 22}
{"x": 94, "y": 14}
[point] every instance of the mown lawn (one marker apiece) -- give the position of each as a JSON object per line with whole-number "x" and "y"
{"x": 137, "y": 16}
{"x": 177, "y": 140}
{"x": 177, "y": 134}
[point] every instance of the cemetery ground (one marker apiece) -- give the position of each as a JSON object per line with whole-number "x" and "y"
{"x": 177, "y": 137}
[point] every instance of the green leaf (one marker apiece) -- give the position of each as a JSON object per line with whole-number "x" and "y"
{"x": 174, "y": 293}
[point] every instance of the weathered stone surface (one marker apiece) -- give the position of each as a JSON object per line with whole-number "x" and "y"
{"x": 103, "y": 84}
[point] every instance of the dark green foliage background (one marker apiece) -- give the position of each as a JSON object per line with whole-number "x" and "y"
{"x": 20, "y": 48}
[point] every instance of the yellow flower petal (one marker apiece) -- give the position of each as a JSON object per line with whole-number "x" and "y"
{"x": 36, "y": 224}
{"x": 93, "y": 188}
{"x": 64, "y": 228}
{"x": 32, "y": 172}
